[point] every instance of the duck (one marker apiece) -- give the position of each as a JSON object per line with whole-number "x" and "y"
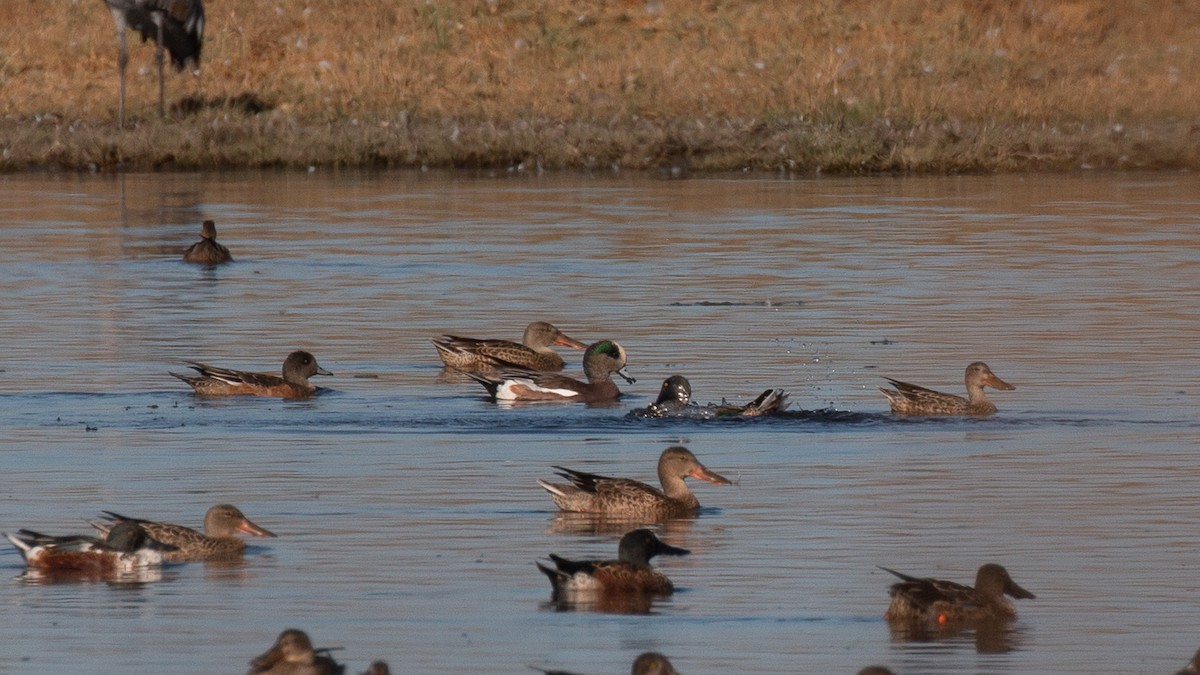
{"x": 125, "y": 549}
{"x": 600, "y": 361}
{"x": 629, "y": 574}
{"x": 297, "y": 368}
{"x": 941, "y": 602}
{"x": 628, "y": 498}
{"x": 532, "y": 353}
{"x": 910, "y": 399}
{"x": 293, "y": 654}
{"x": 675, "y": 400}
{"x": 1192, "y": 667}
{"x": 652, "y": 663}
{"x": 207, "y": 251}
{"x": 219, "y": 541}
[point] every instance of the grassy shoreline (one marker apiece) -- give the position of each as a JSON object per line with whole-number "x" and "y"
{"x": 831, "y": 87}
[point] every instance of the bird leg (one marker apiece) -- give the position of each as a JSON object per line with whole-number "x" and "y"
{"x": 158, "y": 55}
{"x": 122, "y": 61}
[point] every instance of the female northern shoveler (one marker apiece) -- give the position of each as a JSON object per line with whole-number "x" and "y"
{"x": 125, "y": 549}
{"x": 297, "y": 368}
{"x": 675, "y": 400}
{"x": 631, "y": 573}
{"x": 293, "y": 654}
{"x": 207, "y": 251}
{"x": 909, "y": 399}
{"x": 945, "y": 602}
{"x": 600, "y": 361}
{"x": 219, "y": 541}
{"x": 652, "y": 663}
{"x": 534, "y": 353}
{"x": 628, "y": 498}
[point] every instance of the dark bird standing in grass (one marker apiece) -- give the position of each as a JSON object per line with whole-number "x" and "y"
{"x": 176, "y": 25}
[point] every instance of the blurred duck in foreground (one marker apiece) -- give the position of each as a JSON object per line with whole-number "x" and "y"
{"x": 630, "y": 499}
{"x": 600, "y": 361}
{"x": 293, "y": 654}
{"x": 125, "y": 549}
{"x": 207, "y": 251}
{"x": 938, "y": 602}
{"x": 630, "y": 573}
{"x": 532, "y": 353}
{"x": 297, "y": 368}
{"x": 910, "y": 399}
{"x": 647, "y": 663}
{"x": 1193, "y": 667}
{"x": 219, "y": 541}
{"x": 675, "y": 400}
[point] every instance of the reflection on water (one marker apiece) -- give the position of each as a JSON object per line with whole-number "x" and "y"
{"x": 407, "y": 503}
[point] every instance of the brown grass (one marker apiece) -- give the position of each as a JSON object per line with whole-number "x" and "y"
{"x": 770, "y": 85}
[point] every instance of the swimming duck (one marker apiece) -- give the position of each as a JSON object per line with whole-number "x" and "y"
{"x": 600, "y": 361}
{"x": 652, "y": 663}
{"x": 293, "y": 654}
{"x": 945, "y": 602}
{"x": 297, "y": 368}
{"x": 207, "y": 251}
{"x": 910, "y": 399}
{"x": 628, "y": 498}
{"x": 219, "y": 541}
{"x": 533, "y": 353}
{"x": 631, "y": 573}
{"x": 125, "y": 549}
{"x": 675, "y": 400}
{"x": 1192, "y": 667}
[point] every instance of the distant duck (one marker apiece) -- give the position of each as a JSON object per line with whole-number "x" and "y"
{"x": 378, "y": 668}
{"x": 293, "y": 654}
{"x": 533, "y": 353}
{"x": 630, "y": 573}
{"x": 938, "y": 602}
{"x": 219, "y": 541}
{"x": 297, "y": 368}
{"x": 600, "y": 361}
{"x": 207, "y": 251}
{"x": 174, "y": 25}
{"x": 910, "y": 399}
{"x": 675, "y": 400}
{"x": 630, "y": 499}
{"x": 125, "y": 549}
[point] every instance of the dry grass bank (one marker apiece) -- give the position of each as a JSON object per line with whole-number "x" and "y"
{"x": 774, "y": 85}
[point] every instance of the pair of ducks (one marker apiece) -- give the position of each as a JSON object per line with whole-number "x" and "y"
{"x": 129, "y": 544}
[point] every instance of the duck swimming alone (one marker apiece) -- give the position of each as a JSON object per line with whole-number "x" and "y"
{"x": 219, "y": 541}
{"x": 293, "y": 654}
{"x": 600, "y": 361}
{"x": 910, "y": 399}
{"x": 207, "y": 251}
{"x": 628, "y": 498}
{"x": 945, "y": 602}
{"x": 675, "y": 400}
{"x": 630, "y": 573}
{"x": 297, "y": 368}
{"x": 533, "y": 353}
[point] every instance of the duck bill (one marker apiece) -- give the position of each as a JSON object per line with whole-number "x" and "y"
{"x": 704, "y": 473}
{"x": 625, "y": 377}
{"x": 1017, "y": 592}
{"x": 667, "y": 549}
{"x": 253, "y": 530}
{"x": 564, "y": 340}
{"x": 322, "y": 371}
{"x": 997, "y": 383}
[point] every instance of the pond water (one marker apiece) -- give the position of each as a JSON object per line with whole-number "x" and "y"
{"x": 406, "y": 506}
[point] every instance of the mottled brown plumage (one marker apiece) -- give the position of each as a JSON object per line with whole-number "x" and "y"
{"x": 297, "y": 368}
{"x": 939, "y": 602}
{"x": 628, "y": 498}
{"x": 533, "y": 353}
{"x": 219, "y": 541}
{"x": 910, "y": 399}
{"x": 207, "y": 251}
{"x": 293, "y": 654}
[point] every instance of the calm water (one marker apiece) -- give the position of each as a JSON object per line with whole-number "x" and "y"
{"x": 408, "y": 515}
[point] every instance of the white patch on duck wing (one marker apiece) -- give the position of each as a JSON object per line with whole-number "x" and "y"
{"x": 505, "y": 391}
{"x": 581, "y": 582}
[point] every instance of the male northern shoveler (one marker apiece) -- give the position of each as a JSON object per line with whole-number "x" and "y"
{"x": 1193, "y": 667}
{"x": 909, "y": 399}
{"x": 945, "y": 602}
{"x": 125, "y": 549}
{"x": 631, "y": 573}
{"x": 219, "y": 541}
{"x": 297, "y": 368}
{"x": 207, "y": 251}
{"x": 675, "y": 400}
{"x": 600, "y": 361}
{"x": 293, "y": 654}
{"x": 628, "y": 498}
{"x": 533, "y": 353}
